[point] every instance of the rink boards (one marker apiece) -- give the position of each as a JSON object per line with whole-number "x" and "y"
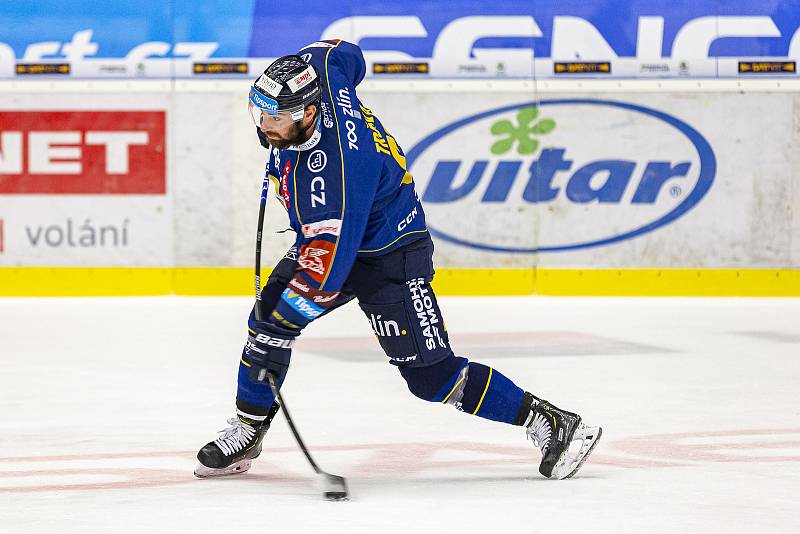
{"x": 580, "y": 187}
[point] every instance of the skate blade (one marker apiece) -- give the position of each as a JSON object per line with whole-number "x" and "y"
{"x": 569, "y": 464}
{"x": 236, "y": 468}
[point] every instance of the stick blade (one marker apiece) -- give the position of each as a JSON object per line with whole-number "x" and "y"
{"x": 335, "y": 487}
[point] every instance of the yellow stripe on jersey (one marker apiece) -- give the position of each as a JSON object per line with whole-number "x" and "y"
{"x": 398, "y": 157}
{"x": 276, "y": 183}
{"x": 341, "y": 157}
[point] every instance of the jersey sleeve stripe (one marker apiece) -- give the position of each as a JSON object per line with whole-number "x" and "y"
{"x": 341, "y": 157}
{"x": 275, "y": 183}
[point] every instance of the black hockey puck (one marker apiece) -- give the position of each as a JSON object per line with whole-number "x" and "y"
{"x": 336, "y": 496}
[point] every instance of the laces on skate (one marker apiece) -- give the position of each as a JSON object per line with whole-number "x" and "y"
{"x": 540, "y": 431}
{"x": 235, "y": 437}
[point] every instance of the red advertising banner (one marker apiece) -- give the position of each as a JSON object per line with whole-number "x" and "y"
{"x": 83, "y": 152}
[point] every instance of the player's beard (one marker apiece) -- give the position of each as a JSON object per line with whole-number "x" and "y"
{"x": 296, "y": 136}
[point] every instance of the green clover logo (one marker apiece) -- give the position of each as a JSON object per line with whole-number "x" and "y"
{"x": 522, "y": 133}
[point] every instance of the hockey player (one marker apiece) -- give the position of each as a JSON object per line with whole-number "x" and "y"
{"x": 360, "y": 234}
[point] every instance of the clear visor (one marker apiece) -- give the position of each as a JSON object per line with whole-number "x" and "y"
{"x": 263, "y": 109}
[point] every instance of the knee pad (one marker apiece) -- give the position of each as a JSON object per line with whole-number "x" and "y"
{"x": 410, "y": 331}
{"x": 432, "y": 383}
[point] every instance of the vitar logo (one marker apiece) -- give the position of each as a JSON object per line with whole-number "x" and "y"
{"x": 557, "y": 175}
{"x": 82, "y": 152}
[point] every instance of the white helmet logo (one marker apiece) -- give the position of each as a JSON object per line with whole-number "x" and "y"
{"x": 268, "y": 85}
{"x": 302, "y": 79}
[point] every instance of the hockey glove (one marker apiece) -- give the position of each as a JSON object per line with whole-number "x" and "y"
{"x": 268, "y": 350}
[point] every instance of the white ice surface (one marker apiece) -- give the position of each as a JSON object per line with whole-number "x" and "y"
{"x": 104, "y": 403}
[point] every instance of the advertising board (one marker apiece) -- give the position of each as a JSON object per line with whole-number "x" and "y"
{"x": 464, "y": 39}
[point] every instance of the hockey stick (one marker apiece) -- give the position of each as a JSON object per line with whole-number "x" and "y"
{"x": 335, "y": 487}
{"x": 259, "y": 235}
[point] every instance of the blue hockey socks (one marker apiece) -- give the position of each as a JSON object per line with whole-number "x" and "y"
{"x": 469, "y": 386}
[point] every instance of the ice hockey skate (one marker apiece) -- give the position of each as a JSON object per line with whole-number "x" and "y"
{"x": 565, "y": 441}
{"x": 235, "y": 449}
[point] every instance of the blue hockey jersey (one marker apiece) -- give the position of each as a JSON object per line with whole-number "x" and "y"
{"x": 346, "y": 190}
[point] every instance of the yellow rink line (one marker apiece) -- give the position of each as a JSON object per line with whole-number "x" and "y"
{"x": 127, "y": 281}
{"x": 669, "y": 282}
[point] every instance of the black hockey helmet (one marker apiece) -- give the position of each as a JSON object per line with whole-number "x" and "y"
{"x": 289, "y": 84}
